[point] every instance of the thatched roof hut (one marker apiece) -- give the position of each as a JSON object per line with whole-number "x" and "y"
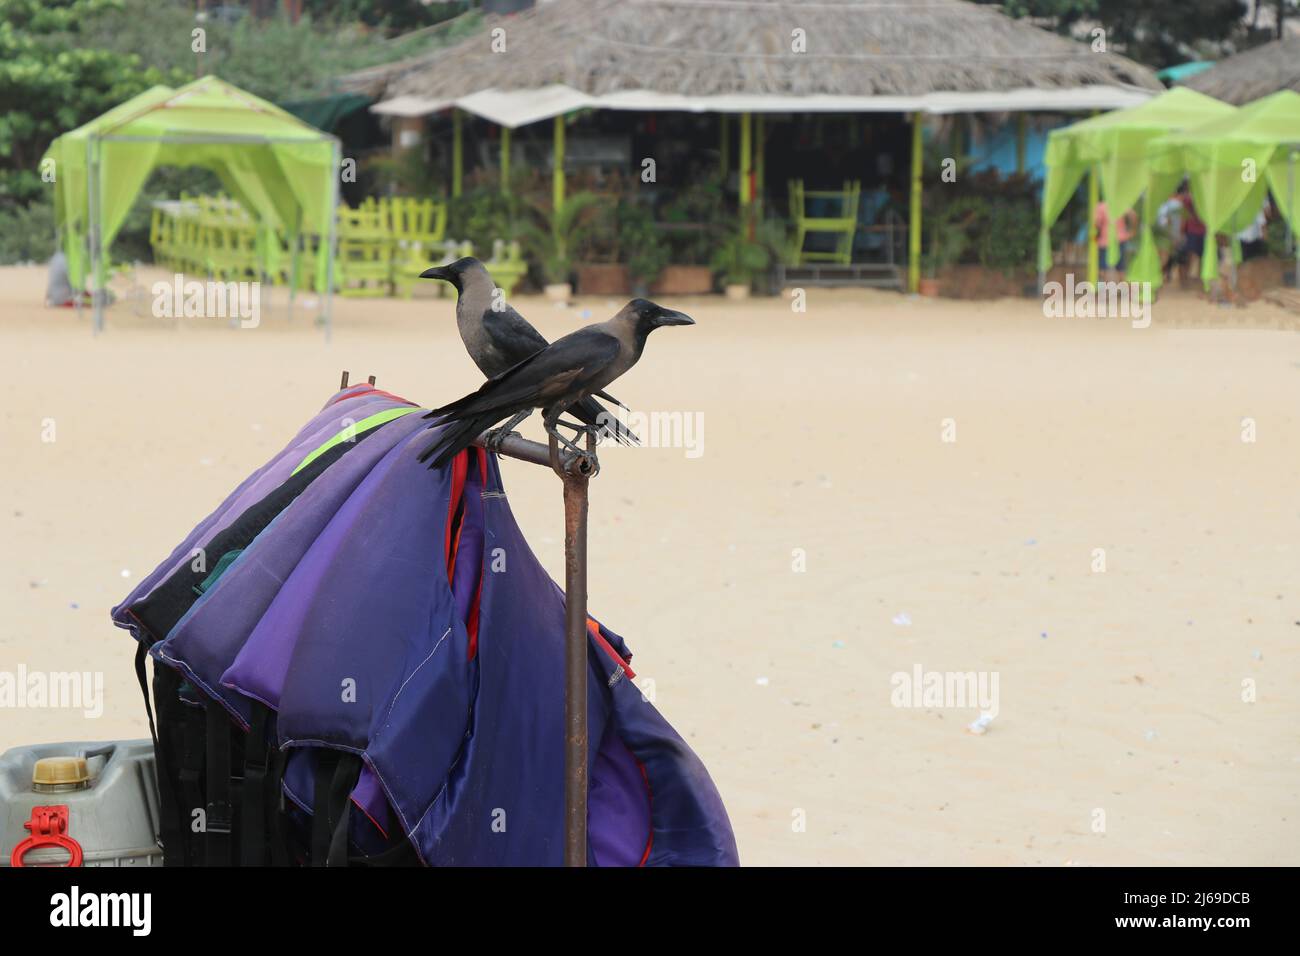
{"x": 1253, "y": 74}
{"x": 704, "y": 54}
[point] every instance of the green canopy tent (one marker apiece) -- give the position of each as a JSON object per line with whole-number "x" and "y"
{"x": 1231, "y": 162}
{"x": 283, "y": 171}
{"x": 1116, "y": 144}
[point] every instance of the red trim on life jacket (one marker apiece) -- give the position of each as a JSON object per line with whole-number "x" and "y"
{"x": 471, "y": 626}
{"x": 594, "y": 628}
{"x": 356, "y": 803}
{"x": 369, "y": 390}
{"x": 650, "y": 799}
{"x": 459, "y": 465}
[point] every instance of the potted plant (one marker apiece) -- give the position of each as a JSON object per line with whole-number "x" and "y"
{"x": 747, "y": 250}
{"x": 948, "y": 241}
{"x": 691, "y": 222}
{"x": 600, "y": 253}
{"x": 552, "y": 238}
{"x": 644, "y": 245}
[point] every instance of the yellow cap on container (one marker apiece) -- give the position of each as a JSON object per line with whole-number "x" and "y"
{"x": 61, "y": 772}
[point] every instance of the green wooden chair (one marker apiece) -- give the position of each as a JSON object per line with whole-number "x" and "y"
{"x": 231, "y": 238}
{"x": 364, "y": 263}
{"x": 842, "y": 226}
{"x": 507, "y": 265}
{"x": 418, "y": 228}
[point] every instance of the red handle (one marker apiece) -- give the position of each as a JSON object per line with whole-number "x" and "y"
{"x": 49, "y": 827}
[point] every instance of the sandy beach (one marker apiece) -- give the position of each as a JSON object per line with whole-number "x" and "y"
{"x": 830, "y": 535}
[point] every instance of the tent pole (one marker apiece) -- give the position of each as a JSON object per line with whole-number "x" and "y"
{"x": 505, "y": 160}
{"x": 1290, "y": 201}
{"x": 914, "y": 220}
{"x": 331, "y": 240}
{"x": 93, "y": 229}
{"x": 295, "y": 243}
{"x": 557, "y": 174}
{"x": 1093, "y": 261}
{"x": 457, "y": 152}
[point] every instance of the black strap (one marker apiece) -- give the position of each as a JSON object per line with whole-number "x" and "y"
{"x": 334, "y": 780}
{"x": 142, "y": 678}
{"x": 345, "y": 781}
{"x": 253, "y": 830}
{"x": 189, "y": 734}
{"x": 218, "y": 821}
{"x": 277, "y": 826}
{"x": 322, "y": 777}
{"x": 170, "y": 817}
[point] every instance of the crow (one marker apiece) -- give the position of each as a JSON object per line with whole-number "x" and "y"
{"x": 556, "y": 379}
{"x": 499, "y": 338}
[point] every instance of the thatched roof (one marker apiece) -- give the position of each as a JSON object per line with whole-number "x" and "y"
{"x": 721, "y": 47}
{"x": 1248, "y": 76}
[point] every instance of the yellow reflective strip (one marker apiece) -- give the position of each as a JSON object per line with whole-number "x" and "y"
{"x": 352, "y": 431}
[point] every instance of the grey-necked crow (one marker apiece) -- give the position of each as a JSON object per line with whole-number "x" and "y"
{"x": 556, "y": 379}
{"x": 498, "y": 339}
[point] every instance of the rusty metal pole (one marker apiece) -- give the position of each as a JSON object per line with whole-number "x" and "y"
{"x": 575, "y": 669}
{"x": 575, "y": 472}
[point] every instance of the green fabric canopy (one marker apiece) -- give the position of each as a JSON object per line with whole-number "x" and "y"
{"x": 280, "y": 169}
{"x": 1231, "y": 161}
{"x": 1116, "y": 143}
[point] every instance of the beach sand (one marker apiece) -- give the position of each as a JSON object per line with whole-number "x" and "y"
{"x": 1120, "y": 691}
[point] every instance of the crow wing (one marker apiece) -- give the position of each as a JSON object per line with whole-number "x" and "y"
{"x": 556, "y": 371}
{"x": 514, "y": 339}
{"x": 511, "y": 335}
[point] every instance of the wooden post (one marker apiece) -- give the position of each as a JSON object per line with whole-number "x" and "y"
{"x": 746, "y": 155}
{"x": 457, "y": 152}
{"x": 505, "y": 160}
{"x": 914, "y": 218}
{"x": 557, "y": 175}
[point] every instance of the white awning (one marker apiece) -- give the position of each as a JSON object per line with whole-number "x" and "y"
{"x": 410, "y": 106}
{"x": 515, "y": 108}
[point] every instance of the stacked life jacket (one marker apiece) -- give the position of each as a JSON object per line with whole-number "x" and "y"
{"x": 359, "y": 660}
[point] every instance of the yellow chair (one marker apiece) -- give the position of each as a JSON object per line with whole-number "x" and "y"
{"x": 507, "y": 265}
{"x": 842, "y": 226}
{"x": 364, "y": 263}
{"x": 417, "y": 227}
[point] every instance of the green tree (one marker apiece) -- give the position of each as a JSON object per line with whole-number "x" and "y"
{"x": 1158, "y": 33}
{"x": 54, "y": 78}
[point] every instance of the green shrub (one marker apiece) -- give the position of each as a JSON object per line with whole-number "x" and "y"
{"x": 27, "y": 232}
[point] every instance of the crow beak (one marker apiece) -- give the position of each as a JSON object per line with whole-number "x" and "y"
{"x": 437, "y": 272}
{"x": 673, "y": 317}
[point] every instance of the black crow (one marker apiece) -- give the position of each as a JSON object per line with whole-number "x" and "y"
{"x": 497, "y": 338}
{"x": 556, "y": 379}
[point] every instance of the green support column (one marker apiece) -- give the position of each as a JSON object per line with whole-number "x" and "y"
{"x": 457, "y": 153}
{"x": 1020, "y": 143}
{"x": 724, "y": 144}
{"x": 760, "y": 144}
{"x": 746, "y": 155}
{"x": 914, "y": 219}
{"x": 1093, "y": 263}
{"x": 557, "y": 174}
{"x": 505, "y": 160}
